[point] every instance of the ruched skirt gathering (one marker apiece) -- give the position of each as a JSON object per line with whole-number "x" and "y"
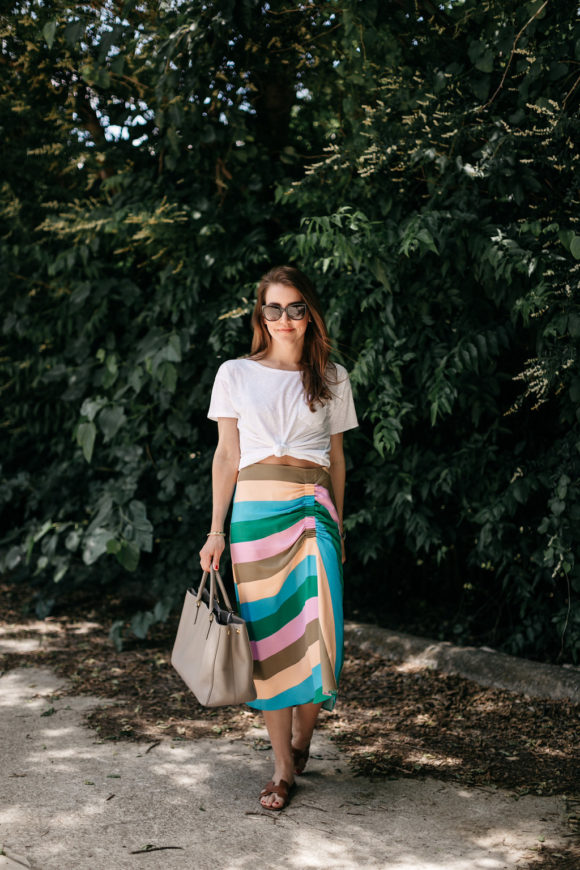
{"x": 287, "y": 567}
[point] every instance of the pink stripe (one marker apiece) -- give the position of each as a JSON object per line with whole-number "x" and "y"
{"x": 262, "y": 649}
{"x": 322, "y": 496}
{"x": 271, "y": 545}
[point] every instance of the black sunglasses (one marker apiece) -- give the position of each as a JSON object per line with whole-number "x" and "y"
{"x": 295, "y": 311}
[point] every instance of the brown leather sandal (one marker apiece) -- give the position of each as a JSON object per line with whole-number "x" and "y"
{"x": 282, "y": 790}
{"x": 300, "y": 758}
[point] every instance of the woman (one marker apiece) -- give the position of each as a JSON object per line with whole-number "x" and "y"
{"x": 281, "y": 413}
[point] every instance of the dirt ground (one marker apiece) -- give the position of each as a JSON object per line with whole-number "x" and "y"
{"x": 390, "y": 723}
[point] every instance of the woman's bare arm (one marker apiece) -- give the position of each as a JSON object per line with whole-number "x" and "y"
{"x": 226, "y": 460}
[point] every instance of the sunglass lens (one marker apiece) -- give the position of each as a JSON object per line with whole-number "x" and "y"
{"x": 272, "y": 312}
{"x": 296, "y": 311}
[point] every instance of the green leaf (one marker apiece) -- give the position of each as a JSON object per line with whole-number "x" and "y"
{"x": 162, "y": 610}
{"x": 73, "y": 540}
{"x": 485, "y": 62}
{"x": 86, "y": 434}
{"x": 574, "y": 324}
{"x": 91, "y": 407}
{"x": 575, "y": 390}
{"x": 128, "y": 555}
{"x": 575, "y": 247}
{"x": 139, "y": 529}
{"x": 167, "y": 374}
{"x": 118, "y": 65}
{"x": 116, "y": 634}
{"x": 95, "y": 545}
{"x": 73, "y": 31}
{"x": 173, "y": 351}
{"x": 110, "y": 421}
{"x": 141, "y": 622}
{"x": 426, "y": 238}
{"x": 49, "y": 31}
{"x": 44, "y": 529}
{"x": 60, "y": 572}
{"x": 380, "y": 272}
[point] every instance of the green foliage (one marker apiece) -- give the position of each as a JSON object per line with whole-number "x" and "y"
{"x": 461, "y": 247}
{"x": 420, "y": 160}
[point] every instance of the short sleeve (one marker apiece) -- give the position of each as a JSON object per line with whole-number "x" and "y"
{"x": 221, "y": 404}
{"x": 341, "y": 412}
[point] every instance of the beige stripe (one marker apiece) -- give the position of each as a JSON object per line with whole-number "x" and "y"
{"x": 289, "y": 677}
{"x": 271, "y": 490}
{"x": 325, "y": 613}
{"x": 271, "y": 570}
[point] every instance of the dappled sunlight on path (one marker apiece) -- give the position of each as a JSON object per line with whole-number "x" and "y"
{"x": 71, "y": 800}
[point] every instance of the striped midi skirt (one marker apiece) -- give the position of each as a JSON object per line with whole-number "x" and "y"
{"x": 287, "y": 566}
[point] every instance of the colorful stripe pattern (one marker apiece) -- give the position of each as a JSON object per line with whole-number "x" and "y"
{"x": 287, "y": 566}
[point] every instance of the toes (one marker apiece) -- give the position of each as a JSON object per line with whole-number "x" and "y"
{"x": 267, "y": 804}
{"x": 271, "y": 800}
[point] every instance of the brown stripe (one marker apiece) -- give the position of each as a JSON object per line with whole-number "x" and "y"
{"x": 290, "y": 655}
{"x": 245, "y": 572}
{"x": 292, "y": 473}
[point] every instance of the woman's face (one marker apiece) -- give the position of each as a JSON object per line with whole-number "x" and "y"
{"x": 286, "y": 331}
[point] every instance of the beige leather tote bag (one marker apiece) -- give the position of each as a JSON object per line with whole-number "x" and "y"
{"x": 212, "y": 651}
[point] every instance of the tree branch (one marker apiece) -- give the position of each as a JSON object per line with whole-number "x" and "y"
{"x": 505, "y": 72}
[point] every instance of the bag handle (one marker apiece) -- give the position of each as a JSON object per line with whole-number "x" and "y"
{"x": 213, "y": 575}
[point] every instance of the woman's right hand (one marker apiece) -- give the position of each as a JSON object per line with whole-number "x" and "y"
{"x": 211, "y": 552}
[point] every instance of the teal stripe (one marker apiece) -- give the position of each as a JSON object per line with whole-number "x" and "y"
{"x": 260, "y": 628}
{"x": 266, "y": 606}
{"x": 309, "y": 691}
{"x": 248, "y": 525}
{"x": 303, "y": 693}
{"x": 260, "y": 510}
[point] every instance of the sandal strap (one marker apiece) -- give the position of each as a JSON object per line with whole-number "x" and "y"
{"x": 299, "y": 754}
{"x": 280, "y": 789}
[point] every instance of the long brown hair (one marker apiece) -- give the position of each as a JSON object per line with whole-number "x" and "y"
{"x": 317, "y": 373}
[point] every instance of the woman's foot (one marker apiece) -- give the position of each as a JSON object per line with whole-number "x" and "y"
{"x": 277, "y": 796}
{"x": 300, "y": 758}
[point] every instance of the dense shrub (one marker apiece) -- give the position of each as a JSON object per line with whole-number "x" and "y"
{"x": 419, "y": 161}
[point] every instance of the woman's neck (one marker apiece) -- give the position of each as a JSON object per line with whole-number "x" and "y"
{"x": 279, "y": 359}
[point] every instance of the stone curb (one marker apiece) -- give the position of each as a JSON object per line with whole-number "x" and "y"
{"x": 483, "y": 665}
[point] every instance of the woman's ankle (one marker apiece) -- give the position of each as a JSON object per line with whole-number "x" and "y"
{"x": 284, "y": 771}
{"x": 300, "y": 742}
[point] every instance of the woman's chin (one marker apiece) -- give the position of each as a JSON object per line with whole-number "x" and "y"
{"x": 284, "y": 336}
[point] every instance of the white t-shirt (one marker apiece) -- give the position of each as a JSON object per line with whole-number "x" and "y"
{"x": 272, "y": 413}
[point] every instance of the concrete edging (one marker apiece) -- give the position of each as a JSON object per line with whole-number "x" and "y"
{"x": 483, "y": 665}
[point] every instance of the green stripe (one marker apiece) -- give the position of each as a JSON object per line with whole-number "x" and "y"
{"x": 262, "y": 628}
{"x": 319, "y": 697}
{"x": 254, "y": 530}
